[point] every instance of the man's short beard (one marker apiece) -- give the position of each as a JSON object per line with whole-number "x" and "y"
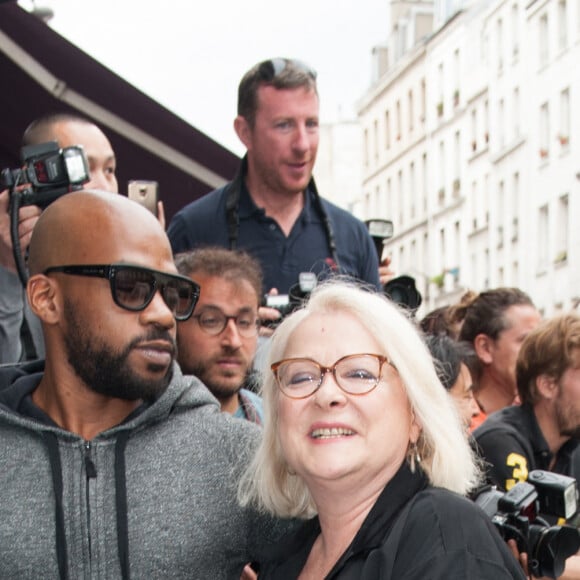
{"x": 566, "y": 427}
{"x": 220, "y": 390}
{"x": 106, "y": 372}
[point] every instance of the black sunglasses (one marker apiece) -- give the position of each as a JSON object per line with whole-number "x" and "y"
{"x": 270, "y": 69}
{"x": 133, "y": 287}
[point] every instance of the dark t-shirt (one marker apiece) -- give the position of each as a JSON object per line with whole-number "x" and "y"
{"x": 512, "y": 445}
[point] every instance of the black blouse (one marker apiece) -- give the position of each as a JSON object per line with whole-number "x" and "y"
{"x": 413, "y": 532}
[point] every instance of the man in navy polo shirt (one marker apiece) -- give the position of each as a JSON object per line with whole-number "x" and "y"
{"x": 272, "y": 209}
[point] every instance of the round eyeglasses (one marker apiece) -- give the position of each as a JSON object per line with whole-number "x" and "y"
{"x": 355, "y": 374}
{"x": 213, "y": 321}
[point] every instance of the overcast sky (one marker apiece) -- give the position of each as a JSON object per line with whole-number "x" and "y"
{"x": 190, "y": 55}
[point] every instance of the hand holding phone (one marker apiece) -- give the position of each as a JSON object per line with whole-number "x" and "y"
{"x": 145, "y": 193}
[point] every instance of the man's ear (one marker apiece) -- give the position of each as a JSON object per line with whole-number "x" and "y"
{"x": 547, "y": 387}
{"x": 243, "y": 131}
{"x": 483, "y": 347}
{"x": 42, "y": 295}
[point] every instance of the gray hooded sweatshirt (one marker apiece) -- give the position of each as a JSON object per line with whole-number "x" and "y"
{"x": 152, "y": 498}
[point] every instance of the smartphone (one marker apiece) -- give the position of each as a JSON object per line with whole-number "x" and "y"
{"x": 144, "y": 192}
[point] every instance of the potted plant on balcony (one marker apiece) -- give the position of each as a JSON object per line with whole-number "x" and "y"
{"x": 439, "y": 280}
{"x": 564, "y": 139}
{"x": 561, "y": 257}
{"x": 456, "y": 97}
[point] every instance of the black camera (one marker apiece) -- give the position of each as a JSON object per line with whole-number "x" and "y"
{"x": 515, "y": 514}
{"x": 49, "y": 171}
{"x": 287, "y": 303}
{"x": 401, "y": 290}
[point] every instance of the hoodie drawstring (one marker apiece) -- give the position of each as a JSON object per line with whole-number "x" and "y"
{"x": 121, "y": 504}
{"x": 51, "y": 442}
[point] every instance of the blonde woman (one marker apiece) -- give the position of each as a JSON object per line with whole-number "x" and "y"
{"x": 363, "y": 443}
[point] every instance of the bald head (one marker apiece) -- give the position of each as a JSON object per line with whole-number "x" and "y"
{"x": 68, "y": 130}
{"x": 93, "y": 227}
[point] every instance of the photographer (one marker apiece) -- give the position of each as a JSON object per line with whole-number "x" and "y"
{"x": 20, "y": 334}
{"x": 543, "y": 432}
{"x": 272, "y": 208}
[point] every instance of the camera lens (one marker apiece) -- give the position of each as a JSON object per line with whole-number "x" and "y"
{"x": 402, "y": 291}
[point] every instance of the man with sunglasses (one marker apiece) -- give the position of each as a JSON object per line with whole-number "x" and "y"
{"x": 272, "y": 208}
{"x": 113, "y": 464}
{"x": 218, "y": 343}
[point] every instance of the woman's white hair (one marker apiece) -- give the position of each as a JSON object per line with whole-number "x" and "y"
{"x": 446, "y": 456}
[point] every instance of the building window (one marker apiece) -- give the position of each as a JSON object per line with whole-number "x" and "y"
{"x": 500, "y": 214}
{"x": 485, "y": 197}
{"x": 376, "y": 139}
{"x": 441, "y": 90}
{"x": 501, "y": 123}
{"x": 456, "y": 78}
{"x": 442, "y": 249}
{"x": 376, "y": 206}
{"x": 544, "y": 53}
{"x": 564, "y": 133}
{"x": 486, "y": 122}
{"x": 456, "y": 252}
{"x": 424, "y": 99}
{"x": 412, "y": 189}
{"x": 398, "y": 120}
{"x": 387, "y": 130}
{"x": 486, "y": 270}
{"x": 544, "y": 131}
{"x": 543, "y": 239}
{"x": 516, "y": 112}
{"x": 474, "y": 130}
{"x": 366, "y": 147}
{"x": 562, "y": 230}
{"x": 562, "y": 25}
{"x": 515, "y": 206}
{"x": 424, "y": 181}
{"x": 390, "y": 200}
{"x": 474, "y": 205}
{"x": 401, "y": 196}
{"x": 411, "y": 111}
{"x": 499, "y": 46}
{"x": 515, "y": 31}
{"x": 457, "y": 164}
{"x": 413, "y": 253}
{"x": 441, "y": 191}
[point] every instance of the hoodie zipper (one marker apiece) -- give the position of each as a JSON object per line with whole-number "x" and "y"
{"x": 91, "y": 473}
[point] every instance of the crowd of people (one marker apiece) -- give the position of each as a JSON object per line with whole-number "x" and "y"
{"x": 142, "y": 439}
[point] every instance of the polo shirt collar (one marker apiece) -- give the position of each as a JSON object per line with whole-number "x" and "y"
{"x": 248, "y": 208}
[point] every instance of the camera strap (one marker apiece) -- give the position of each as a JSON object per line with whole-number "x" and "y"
{"x": 14, "y": 208}
{"x": 233, "y": 215}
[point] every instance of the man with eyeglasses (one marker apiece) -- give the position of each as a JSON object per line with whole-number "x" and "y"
{"x": 272, "y": 208}
{"x": 218, "y": 343}
{"x": 113, "y": 464}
